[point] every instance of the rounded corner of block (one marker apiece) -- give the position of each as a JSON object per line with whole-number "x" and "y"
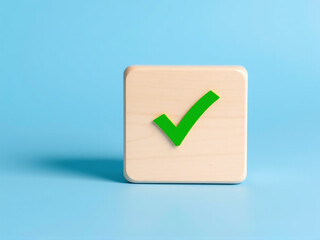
{"x": 243, "y": 71}
{"x": 242, "y": 177}
{"x": 128, "y": 177}
{"x": 127, "y": 71}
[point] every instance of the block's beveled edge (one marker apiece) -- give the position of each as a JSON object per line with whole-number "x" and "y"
{"x": 126, "y": 73}
{"x": 241, "y": 179}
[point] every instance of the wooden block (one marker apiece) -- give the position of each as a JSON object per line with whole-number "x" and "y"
{"x": 214, "y": 150}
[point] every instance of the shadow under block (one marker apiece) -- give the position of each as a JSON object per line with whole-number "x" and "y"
{"x": 214, "y": 150}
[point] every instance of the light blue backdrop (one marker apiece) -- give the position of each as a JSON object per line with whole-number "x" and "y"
{"x": 61, "y": 122}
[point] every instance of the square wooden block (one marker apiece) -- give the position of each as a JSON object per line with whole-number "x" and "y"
{"x": 215, "y": 148}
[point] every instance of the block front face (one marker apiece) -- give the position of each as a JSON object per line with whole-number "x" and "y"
{"x": 214, "y": 150}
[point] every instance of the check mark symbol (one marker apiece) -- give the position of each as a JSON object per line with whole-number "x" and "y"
{"x": 178, "y": 133}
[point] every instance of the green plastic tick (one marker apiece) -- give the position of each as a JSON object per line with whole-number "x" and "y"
{"x": 178, "y": 133}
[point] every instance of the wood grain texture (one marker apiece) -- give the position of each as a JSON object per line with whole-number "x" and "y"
{"x": 215, "y": 149}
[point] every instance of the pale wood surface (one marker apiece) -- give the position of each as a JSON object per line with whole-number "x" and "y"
{"x": 214, "y": 151}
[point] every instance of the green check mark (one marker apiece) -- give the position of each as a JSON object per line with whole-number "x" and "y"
{"x": 178, "y": 133}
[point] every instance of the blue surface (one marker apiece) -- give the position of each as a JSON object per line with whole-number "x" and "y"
{"x": 61, "y": 66}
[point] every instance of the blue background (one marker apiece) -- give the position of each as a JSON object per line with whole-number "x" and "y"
{"x": 61, "y": 121}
